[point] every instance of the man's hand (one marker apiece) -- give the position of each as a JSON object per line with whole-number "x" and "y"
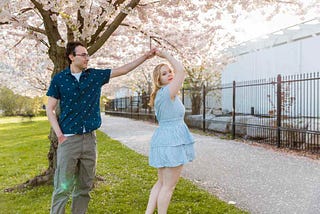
{"x": 61, "y": 139}
{"x": 151, "y": 53}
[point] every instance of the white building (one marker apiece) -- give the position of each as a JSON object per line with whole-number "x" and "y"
{"x": 291, "y": 51}
{"x": 122, "y": 98}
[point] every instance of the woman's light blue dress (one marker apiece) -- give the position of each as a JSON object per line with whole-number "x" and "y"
{"x": 172, "y": 143}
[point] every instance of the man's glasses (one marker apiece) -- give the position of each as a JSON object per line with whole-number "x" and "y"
{"x": 84, "y": 55}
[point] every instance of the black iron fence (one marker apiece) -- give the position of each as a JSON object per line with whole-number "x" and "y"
{"x": 282, "y": 111}
{"x": 132, "y": 107}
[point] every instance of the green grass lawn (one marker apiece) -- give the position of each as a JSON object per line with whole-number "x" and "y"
{"x": 128, "y": 177}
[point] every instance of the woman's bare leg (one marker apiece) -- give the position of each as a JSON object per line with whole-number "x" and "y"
{"x": 170, "y": 177}
{"x": 153, "y": 198}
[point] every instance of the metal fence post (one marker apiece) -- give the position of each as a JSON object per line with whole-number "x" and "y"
{"x": 131, "y": 107}
{"x": 138, "y": 106}
{"x": 233, "y": 131}
{"x": 279, "y": 100}
{"x": 182, "y": 96}
{"x": 204, "y": 108}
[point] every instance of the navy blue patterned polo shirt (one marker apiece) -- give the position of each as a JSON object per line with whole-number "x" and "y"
{"x": 79, "y": 100}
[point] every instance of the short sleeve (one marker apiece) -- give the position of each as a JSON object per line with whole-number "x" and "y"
{"x": 53, "y": 90}
{"x": 102, "y": 75}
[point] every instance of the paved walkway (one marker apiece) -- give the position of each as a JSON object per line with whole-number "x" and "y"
{"x": 257, "y": 179}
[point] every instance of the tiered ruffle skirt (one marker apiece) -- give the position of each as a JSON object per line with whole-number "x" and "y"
{"x": 171, "y": 145}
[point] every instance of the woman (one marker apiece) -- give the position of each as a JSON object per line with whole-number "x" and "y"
{"x": 172, "y": 143}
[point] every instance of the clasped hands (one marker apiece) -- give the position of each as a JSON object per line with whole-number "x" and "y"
{"x": 155, "y": 52}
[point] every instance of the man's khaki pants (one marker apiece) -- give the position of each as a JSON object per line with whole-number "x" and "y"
{"x": 76, "y": 165}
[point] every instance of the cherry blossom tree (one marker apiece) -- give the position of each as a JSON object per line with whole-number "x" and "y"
{"x": 195, "y": 31}
{"x": 33, "y": 35}
{"x": 39, "y": 26}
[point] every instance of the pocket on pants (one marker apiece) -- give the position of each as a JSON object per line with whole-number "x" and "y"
{"x": 64, "y": 142}
{"x": 94, "y": 137}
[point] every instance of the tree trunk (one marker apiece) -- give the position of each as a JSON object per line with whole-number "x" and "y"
{"x": 47, "y": 176}
{"x": 60, "y": 64}
{"x": 196, "y": 102}
{"x": 57, "y": 56}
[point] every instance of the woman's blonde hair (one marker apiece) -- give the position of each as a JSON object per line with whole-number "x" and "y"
{"x": 156, "y": 83}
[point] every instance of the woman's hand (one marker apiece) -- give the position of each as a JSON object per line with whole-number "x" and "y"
{"x": 161, "y": 53}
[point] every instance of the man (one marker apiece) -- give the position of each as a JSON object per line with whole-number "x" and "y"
{"x": 78, "y": 89}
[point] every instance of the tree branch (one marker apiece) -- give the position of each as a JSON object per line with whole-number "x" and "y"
{"x": 80, "y": 19}
{"x": 51, "y": 27}
{"x": 70, "y": 36}
{"x": 43, "y": 86}
{"x": 117, "y": 3}
{"x": 149, "y": 3}
{"x": 100, "y": 28}
{"x": 36, "y": 29}
{"x": 17, "y": 43}
{"x": 153, "y": 38}
{"x": 157, "y": 38}
{"x": 23, "y": 10}
{"x": 111, "y": 28}
{"x": 287, "y": 2}
{"x": 98, "y": 31}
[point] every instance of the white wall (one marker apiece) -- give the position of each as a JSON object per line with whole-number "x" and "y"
{"x": 302, "y": 56}
{"x": 298, "y": 57}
